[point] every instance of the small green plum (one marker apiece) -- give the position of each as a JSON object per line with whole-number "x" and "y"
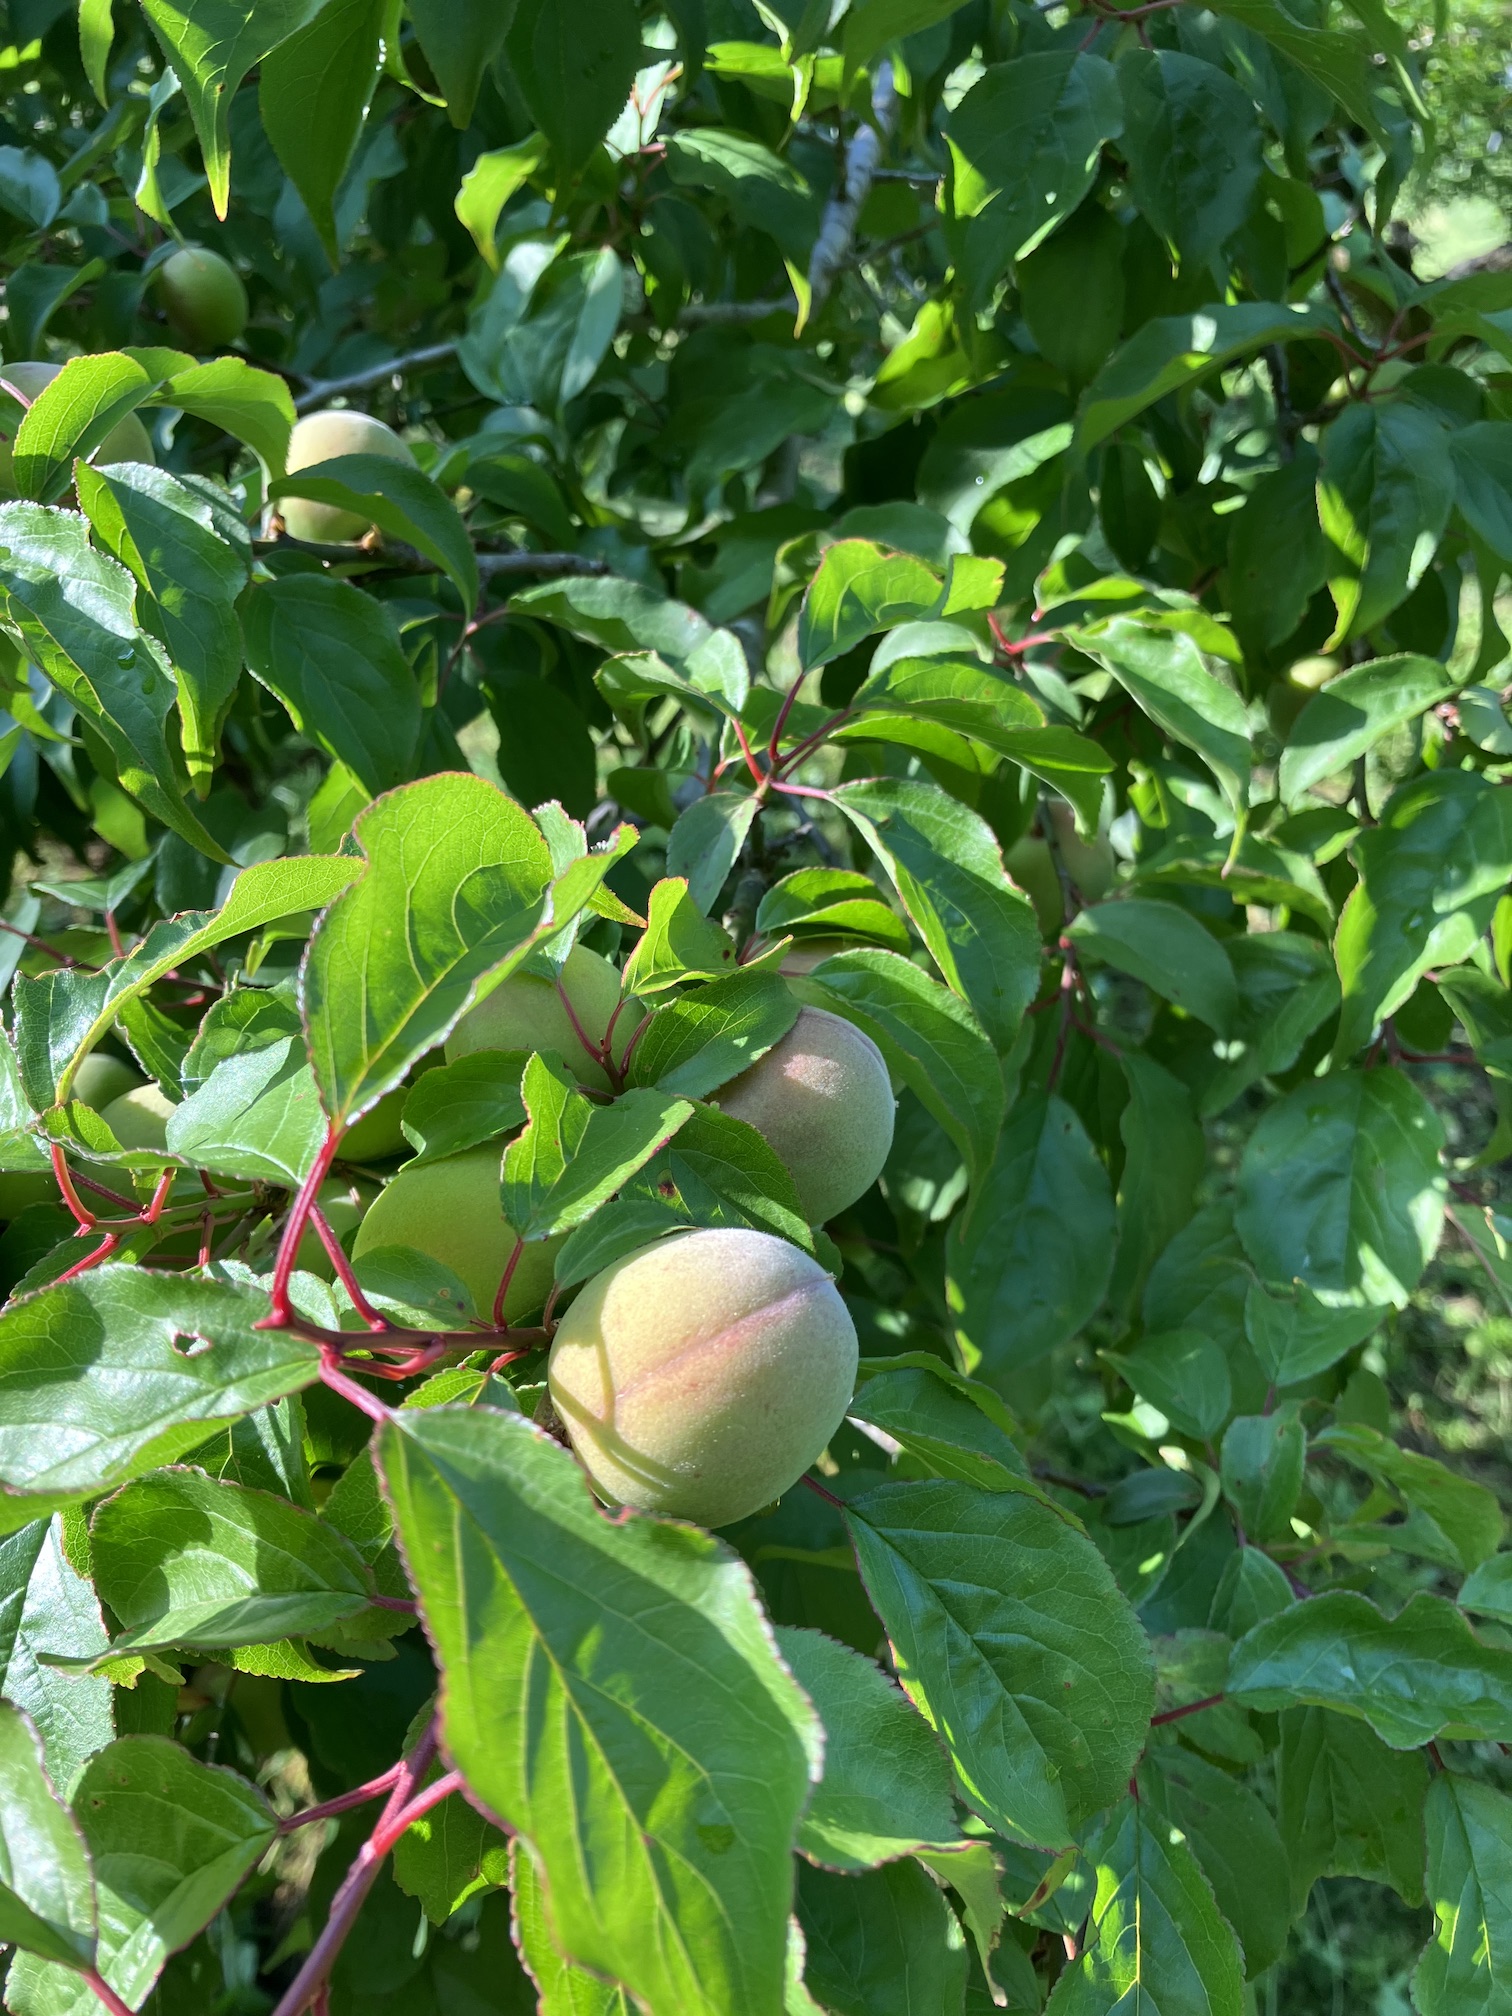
{"x": 322, "y": 437}
{"x": 451, "y": 1210}
{"x": 101, "y": 1078}
{"x": 127, "y": 441}
{"x": 824, "y": 1103}
{"x": 139, "y": 1118}
{"x": 203, "y": 298}
{"x": 703, "y": 1375}
{"x": 526, "y": 1012}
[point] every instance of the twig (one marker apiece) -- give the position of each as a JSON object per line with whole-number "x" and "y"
{"x": 104, "y": 1993}
{"x": 394, "y": 557}
{"x": 343, "y": 1803}
{"x": 1191, "y": 1708}
{"x": 321, "y": 389}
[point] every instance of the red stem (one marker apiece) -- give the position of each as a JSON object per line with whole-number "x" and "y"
{"x": 799, "y": 750}
{"x": 828, "y": 1496}
{"x": 106, "y": 1994}
{"x": 595, "y": 1050}
{"x": 801, "y": 791}
{"x": 782, "y": 718}
{"x": 160, "y": 1196}
{"x": 329, "y": 1808}
{"x": 293, "y": 1232}
{"x": 757, "y": 773}
{"x": 103, "y": 1251}
{"x": 357, "y": 1882}
{"x": 509, "y": 1272}
{"x": 635, "y": 1035}
{"x": 343, "y": 1270}
{"x": 367, "y": 1403}
{"x": 1192, "y": 1708}
{"x": 81, "y": 1212}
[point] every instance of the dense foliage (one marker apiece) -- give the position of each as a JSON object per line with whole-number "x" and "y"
{"x": 955, "y": 516}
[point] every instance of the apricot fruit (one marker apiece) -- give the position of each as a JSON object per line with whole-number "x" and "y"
{"x": 823, "y": 1101}
{"x": 203, "y": 298}
{"x": 101, "y": 1078}
{"x": 703, "y": 1375}
{"x": 451, "y": 1210}
{"x": 377, "y": 1134}
{"x": 127, "y": 441}
{"x": 526, "y": 1012}
{"x": 139, "y": 1118}
{"x": 321, "y": 437}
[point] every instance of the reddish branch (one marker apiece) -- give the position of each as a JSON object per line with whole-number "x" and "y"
{"x": 1191, "y": 1708}
{"x": 104, "y": 1993}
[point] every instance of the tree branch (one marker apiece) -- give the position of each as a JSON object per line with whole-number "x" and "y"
{"x": 863, "y": 156}
{"x": 394, "y": 557}
{"x": 321, "y": 389}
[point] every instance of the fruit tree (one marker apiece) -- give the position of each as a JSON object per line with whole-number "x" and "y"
{"x": 755, "y": 950}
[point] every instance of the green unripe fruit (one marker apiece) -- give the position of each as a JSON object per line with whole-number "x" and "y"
{"x": 377, "y": 1134}
{"x": 101, "y": 1078}
{"x": 203, "y": 298}
{"x": 824, "y": 1103}
{"x": 526, "y": 1012}
{"x": 321, "y": 437}
{"x": 1029, "y": 862}
{"x": 127, "y": 441}
{"x": 703, "y": 1375}
{"x": 451, "y": 1211}
{"x": 139, "y": 1118}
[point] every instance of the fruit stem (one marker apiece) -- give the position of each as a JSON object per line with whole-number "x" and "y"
{"x": 104, "y": 1993}
{"x": 509, "y": 1270}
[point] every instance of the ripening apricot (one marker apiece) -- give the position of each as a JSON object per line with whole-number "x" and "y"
{"x": 139, "y": 1118}
{"x": 101, "y": 1078}
{"x": 451, "y": 1210}
{"x": 378, "y": 1133}
{"x": 203, "y": 298}
{"x": 127, "y": 441}
{"x": 526, "y": 1012}
{"x": 703, "y": 1375}
{"x": 321, "y": 437}
{"x": 824, "y": 1103}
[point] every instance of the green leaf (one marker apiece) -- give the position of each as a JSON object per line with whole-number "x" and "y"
{"x": 929, "y": 1037}
{"x": 819, "y": 902}
{"x": 762, "y": 189}
{"x": 679, "y": 943}
{"x": 71, "y": 416}
{"x": 655, "y": 1698}
{"x": 1028, "y": 1261}
{"x": 552, "y": 1185}
{"x": 172, "y": 536}
{"x": 184, "y": 1559}
{"x": 1167, "y": 948}
{"x": 253, "y": 406}
{"x": 1482, "y": 459}
{"x": 61, "y": 1016}
{"x": 212, "y": 44}
{"x": 626, "y": 616}
{"x": 565, "y": 1990}
{"x": 704, "y": 844}
{"x": 1264, "y": 1456}
{"x": 945, "y": 863}
{"x": 882, "y": 1944}
{"x": 1412, "y": 1677}
{"x": 1349, "y": 1806}
{"x": 953, "y": 1426}
{"x": 710, "y": 1034}
{"x": 76, "y": 610}
{"x": 1340, "y": 1188}
{"x": 1451, "y": 1519}
{"x": 47, "y": 1896}
{"x": 1175, "y": 350}
{"x": 1488, "y": 1590}
{"x": 312, "y": 96}
{"x": 541, "y": 332}
{"x": 400, "y": 500}
{"x": 332, "y": 656}
{"x": 1287, "y": 989}
{"x": 1185, "y": 1375}
{"x": 886, "y": 1784}
{"x": 1010, "y": 1636}
{"x": 485, "y": 189}
{"x": 1164, "y": 1157}
{"x": 859, "y": 589}
{"x": 1192, "y": 142}
{"x": 1024, "y": 147}
{"x": 462, "y": 1105}
{"x": 1154, "y": 1921}
{"x": 46, "y": 1605}
{"x": 1385, "y": 487}
{"x": 1295, "y": 1337}
{"x": 987, "y": 443}
{"x": 448, "y": 1855}
{"x": 574, "y": 71}
{"x": 460, "y": 39}
{"x": 871, "y": 25}
{"x": 716, "y": 1171}
{"x": 1277, "y": 560}
{"x": 256, "y": 1116}
{"x": 1468, "y": 1962}
{"x": 1431, "y": 873}
{"x": 1337, "y": 58}
{"x": 1163, "y": 670}
{"x": 204, "y": 1829}
{"x": 1354, "y": 712}
{"x": 110, "y": 1375}
{"x": 1236, "y": 1844}
{"x": 454, "y": 895}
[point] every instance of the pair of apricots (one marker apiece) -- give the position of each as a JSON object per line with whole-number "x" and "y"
{"x": 703, "y": 1374}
